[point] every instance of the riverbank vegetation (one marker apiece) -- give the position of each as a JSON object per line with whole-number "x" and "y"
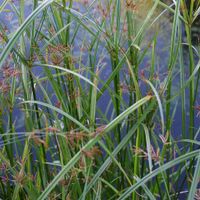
{"x": 99, "y": 99}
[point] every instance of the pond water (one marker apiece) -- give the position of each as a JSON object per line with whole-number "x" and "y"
{"x": 9, "y": 20}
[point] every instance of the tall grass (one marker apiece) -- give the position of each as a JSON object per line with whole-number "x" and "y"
{"x": 90, "y": 105}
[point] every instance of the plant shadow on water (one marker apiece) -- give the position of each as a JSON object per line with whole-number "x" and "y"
{"x": 99, "y": 99}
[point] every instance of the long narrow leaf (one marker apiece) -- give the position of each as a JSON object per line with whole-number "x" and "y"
{"x": 21, "y": 29}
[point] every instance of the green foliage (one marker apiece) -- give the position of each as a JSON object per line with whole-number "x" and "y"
{"x": 88, "y": 101}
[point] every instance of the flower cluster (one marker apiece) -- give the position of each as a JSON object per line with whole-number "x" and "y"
{"x": 7, "y": 72}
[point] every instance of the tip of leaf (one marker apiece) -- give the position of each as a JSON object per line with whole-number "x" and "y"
{"x": 149, "y": 97}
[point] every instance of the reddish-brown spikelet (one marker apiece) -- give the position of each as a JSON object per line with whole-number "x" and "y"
{"x": 95, "y": 151}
